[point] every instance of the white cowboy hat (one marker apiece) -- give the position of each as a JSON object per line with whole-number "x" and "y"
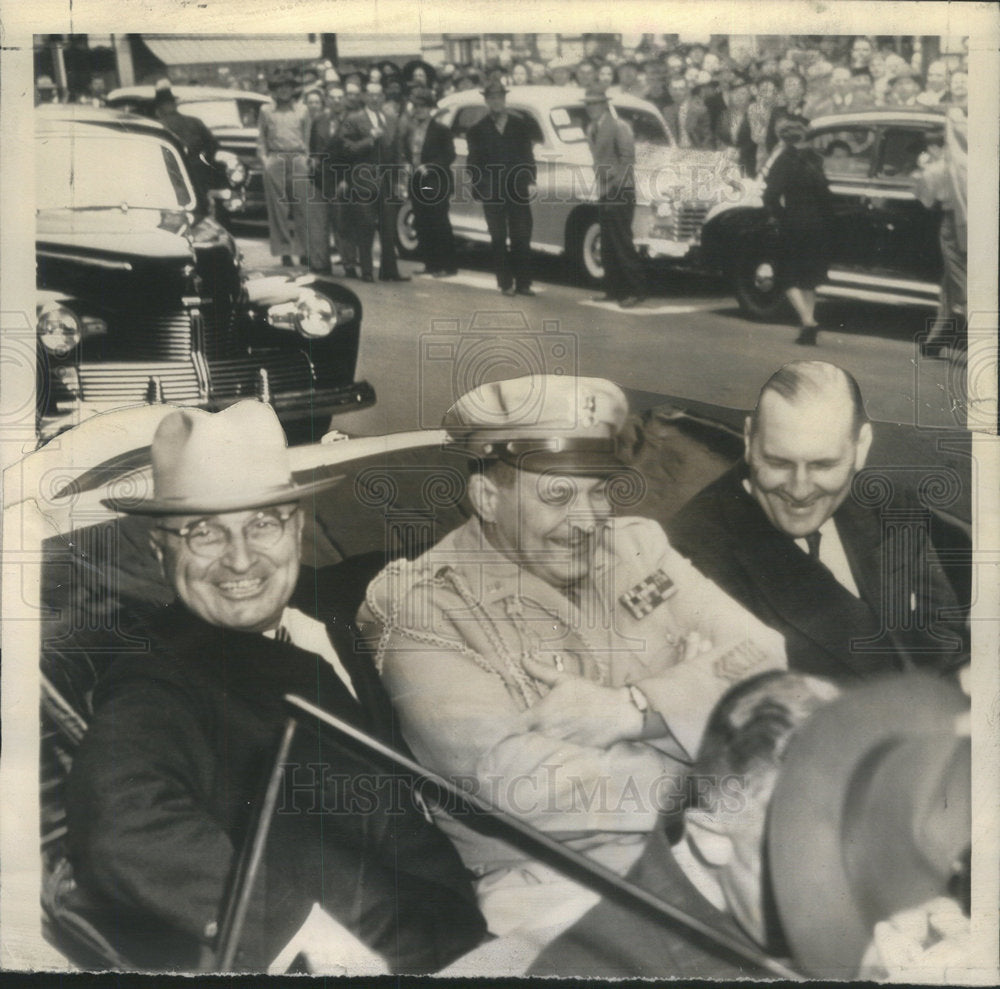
{"x": 212, "y": 462}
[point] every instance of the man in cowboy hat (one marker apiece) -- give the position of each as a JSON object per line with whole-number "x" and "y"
{"x": 613, "y": 148}
{"x": 501, "y": 164}
{"x": 559, "y": 660}
{"x": 183, "y": 735}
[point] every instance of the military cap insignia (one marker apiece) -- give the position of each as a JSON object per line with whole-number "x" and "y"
{"x": 648, "y": 594}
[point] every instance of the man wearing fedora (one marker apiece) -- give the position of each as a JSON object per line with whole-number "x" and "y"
{"x": 183, "y": 737}
{"x": 713, "y": 869}
{"x": 786, "y": 535}
{"x": 558, "y": 659}
{"x": 501, "y": 163}
{"x": 612, "y": 145}
{"x": 200, "y": 145}
{"x": 283, "y": 148}
{"x": 429, "y": 150}
{"x": 829, "y": 830}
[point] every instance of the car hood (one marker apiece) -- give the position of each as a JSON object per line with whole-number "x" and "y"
{"x": 146, "y": 233}
{"x": 685, "y": 174}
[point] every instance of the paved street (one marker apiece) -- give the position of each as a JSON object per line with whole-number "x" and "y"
{"x": 686, "y": 340}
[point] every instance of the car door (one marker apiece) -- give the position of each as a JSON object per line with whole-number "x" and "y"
{"x": 905, "y": 233}
{"x": 466, "y": 214}
{"x": 848, "y": 160}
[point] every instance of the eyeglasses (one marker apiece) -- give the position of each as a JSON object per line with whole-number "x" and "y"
{"x": 209, "y": 539}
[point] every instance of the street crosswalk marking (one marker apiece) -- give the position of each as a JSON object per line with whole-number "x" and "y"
{"x": 643, "y": 310}
{"x": 473, "y": 279}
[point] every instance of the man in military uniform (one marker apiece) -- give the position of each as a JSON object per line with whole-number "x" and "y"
{"x": 560, "y": 661}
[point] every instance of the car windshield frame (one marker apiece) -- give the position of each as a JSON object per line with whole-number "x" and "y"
{"x": 109, "y": 170}
{"x": 235, "y": 112}
{"x": 564, "y": 121}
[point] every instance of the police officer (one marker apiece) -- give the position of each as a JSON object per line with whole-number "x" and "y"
{"x": 558, "y": 658}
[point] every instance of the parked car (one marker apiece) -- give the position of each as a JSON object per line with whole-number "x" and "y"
{"x": 885, "y": 242}
{"x": 142, "y": 297}
{"x": 231, "y": 115}
{"x": 675, "y": 187}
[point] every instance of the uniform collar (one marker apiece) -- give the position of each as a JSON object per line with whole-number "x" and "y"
{"x": 497, "y": 577}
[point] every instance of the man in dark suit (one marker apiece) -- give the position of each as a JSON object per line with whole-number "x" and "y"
{"x": 371, "y": 138}
{"x": 733, "y": 127}
{"x": 354, "y": 877}
{"x": 850, "y": 578}
{"x": 613, "y": 147}
{"x": 501, "y": 163}
{"x": 331, "y": 171}
{"x": 199, "y": 142}
{"x": 429, "y": 149}
{"x": 717, "y": 871}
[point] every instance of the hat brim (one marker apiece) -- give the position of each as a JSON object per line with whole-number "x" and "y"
{"x": 821, "y": 919}
{"x": 575, "y": 456}
{"x": 239, "y": 501}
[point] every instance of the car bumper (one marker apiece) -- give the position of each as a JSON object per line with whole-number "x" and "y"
{"x": 291, "y": 407}
{"x": 659, "y": 248}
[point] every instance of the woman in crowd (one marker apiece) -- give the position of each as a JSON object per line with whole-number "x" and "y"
{"x": 798, "y": 197}
{"x": 315, "y": 102}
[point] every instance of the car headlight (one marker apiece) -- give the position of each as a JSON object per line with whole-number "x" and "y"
{"x": 312, "y": 315}
{"x": 59, "y": 330}
{"x": 236, "y": 172}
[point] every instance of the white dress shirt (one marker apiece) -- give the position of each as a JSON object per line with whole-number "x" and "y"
{"x": 311, "y": 635}
{"x": 832, "y": 555}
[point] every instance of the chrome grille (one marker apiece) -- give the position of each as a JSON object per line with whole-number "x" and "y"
{"x": 127, "y": 384}
{"x": 158, "y": 336}
{"x": 688, "y": 221}
{"x": 222, "y": 337}
{"x": 236, "y": 378}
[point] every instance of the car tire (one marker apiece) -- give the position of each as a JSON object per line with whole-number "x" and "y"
{"x": 407, "y": 242}
{"x": 583, "y": 247}
{"x": 757, "y": 287}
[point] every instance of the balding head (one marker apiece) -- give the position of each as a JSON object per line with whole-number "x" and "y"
{"x": 805, "y": 440}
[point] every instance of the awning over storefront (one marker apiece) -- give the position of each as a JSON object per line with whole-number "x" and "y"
{"x": 378, "y": 46}
{"x": 226, "y": 49}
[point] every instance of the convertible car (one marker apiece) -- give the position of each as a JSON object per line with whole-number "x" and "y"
{"x": 82, "y": 568}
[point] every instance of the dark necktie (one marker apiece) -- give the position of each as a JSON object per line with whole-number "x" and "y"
{"x": 812, "y": 541}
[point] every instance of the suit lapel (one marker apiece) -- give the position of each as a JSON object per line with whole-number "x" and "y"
{"x": 801, "y": 591}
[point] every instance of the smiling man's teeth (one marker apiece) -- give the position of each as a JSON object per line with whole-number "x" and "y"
{"x": 241, "y": 586}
